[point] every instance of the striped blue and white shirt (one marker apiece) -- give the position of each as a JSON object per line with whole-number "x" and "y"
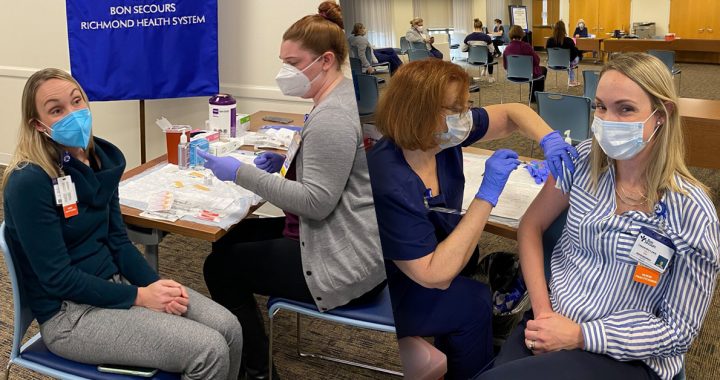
{"x": 592, "y": 272}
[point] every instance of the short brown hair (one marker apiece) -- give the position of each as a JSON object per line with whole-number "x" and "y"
{"x": 321, "y": 32}
{"x": 516, "y": 33}
{"x": 412, "y": 106}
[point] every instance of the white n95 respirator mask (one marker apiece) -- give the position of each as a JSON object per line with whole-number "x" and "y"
{"x": 458, "y": 129}
{"x": 621, "y": 140}
{"x": 292, "y": 81}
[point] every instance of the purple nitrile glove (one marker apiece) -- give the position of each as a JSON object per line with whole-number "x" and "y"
{"x": 557, "y": 152}
{"x": 269, "y": 161}
{"x": 224, "y": 168}
{"x": 497, "y": 171}
{"x": 538, "y": 170}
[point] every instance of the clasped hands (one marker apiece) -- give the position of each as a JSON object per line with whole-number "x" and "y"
{"x": 550, "y": 331}
{"x": 164, "y": 296}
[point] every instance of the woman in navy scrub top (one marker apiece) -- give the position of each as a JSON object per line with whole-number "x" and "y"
{"x": 417, "y": 177}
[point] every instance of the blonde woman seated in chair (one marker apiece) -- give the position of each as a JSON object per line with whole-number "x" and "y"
{"x": 95, "y": 297}
{"x": 635, "y": 268}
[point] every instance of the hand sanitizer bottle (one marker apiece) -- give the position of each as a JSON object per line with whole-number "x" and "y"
{"x": 183, "y": 152}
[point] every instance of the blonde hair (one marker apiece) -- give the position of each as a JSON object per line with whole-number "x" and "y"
{"x": 411, "y": 107}
{"x": 667, "y": 156}
{"x": 321, "y": 32}
{"x": 33, "y": 146}
{"x": 416, "y": 21}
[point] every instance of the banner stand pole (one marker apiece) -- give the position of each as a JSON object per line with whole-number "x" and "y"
{"x": 143, "y": 157}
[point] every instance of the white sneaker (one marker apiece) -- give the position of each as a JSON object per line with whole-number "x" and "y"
{"x": 491, "y": 80}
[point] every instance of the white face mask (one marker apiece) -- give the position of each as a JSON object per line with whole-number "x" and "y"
{"x": 292, "y": 81}
{"x": 581, "y": 25}
{"x": 419, "y": 28}
{"x": 621, "y": 140}
{"x": 459, "y": 126}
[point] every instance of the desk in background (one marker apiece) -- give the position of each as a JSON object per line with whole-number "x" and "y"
{"x": 686, "y": 50}
{"x": 150, "y": 232}
{"x": 701, "y": 128}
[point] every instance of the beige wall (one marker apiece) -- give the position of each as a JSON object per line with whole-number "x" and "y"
{"x": 248, "y": 49}
{"x": 657, "y": 11}
{"x": 402, "y": 13}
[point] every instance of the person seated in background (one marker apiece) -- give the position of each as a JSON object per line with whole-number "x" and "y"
{"x": 559, "y": 39}
{"x": 359, "y": 42}
{"x": 581, "y": 31}
{"x": 416, "y": 172}
{"x": 499, "y": 36}
{"x": 477, "y": 37}
{"x": 95, "y": 297}
{"x": 633, "y": 273}
{"x": 518, "y": 47}
{"x": 417, "y": 33}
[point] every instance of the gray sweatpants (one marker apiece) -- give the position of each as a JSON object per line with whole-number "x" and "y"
{"x": 205, "y": 343}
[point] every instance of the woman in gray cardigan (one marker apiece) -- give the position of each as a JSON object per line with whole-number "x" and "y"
{"x": 326, "y": 250}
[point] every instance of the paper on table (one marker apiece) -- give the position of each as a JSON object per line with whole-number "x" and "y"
{"x": 519, "y": 191}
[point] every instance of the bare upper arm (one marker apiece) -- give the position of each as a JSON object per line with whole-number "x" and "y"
{"x": 545, "y": 208}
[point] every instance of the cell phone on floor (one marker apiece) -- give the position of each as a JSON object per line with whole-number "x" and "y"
{"x": 277, "y": 119}
{"x": 127, "y": 370}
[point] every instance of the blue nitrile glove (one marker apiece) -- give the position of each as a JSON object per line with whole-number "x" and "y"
{"x": 497, "y": 171}
{"x": 224, "y": 168}
{"x": 538, "y": 170}
{"x": 269, "y": 161}
{"x": 557, "y": 152}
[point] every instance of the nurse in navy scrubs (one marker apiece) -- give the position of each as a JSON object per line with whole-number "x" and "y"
{"x": 417, "y": 177}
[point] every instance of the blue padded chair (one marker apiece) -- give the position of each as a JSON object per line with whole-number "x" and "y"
{"x": 404, "y": 45}
{"x": 565, "y": 112}
{"x": 590, "y": 79}
{"x": 418, "y": 46}
{"x": 520, "y": 70}
{"x": 369, "y": 94}
{"x": 668, "y": 58}
{"x": 34, "y": 355}
{"x": 558, "y": 60}
{"x": 549, "y": 239}
{"x": 375, "y": 315}
{"x": 416, "y": 54}
{"x": 355, "y": 65}
{"x": 381, "y": 67}
{"x": 478, "y": 55}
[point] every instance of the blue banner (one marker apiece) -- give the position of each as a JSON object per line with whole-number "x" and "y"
{"x": 144, "y": 49}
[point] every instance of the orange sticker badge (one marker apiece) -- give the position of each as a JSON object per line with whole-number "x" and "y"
{"x": 646, "y": 276}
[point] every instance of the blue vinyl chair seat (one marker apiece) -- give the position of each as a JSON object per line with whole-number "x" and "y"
{"x": 378, "y": 312}
{"x": 38, "y": 353}
{"x": 375, "y": 314}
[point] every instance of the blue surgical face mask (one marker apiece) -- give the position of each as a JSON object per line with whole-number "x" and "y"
{"x": 621, "y": 140}
{"x": 458, "y": 129}
{"x": 73, "y": 130}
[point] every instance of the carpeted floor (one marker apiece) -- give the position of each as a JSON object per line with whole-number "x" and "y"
{"x": 181, "y": 259}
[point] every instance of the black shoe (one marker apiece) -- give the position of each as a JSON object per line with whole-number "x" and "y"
{"x": 254, "y": 374}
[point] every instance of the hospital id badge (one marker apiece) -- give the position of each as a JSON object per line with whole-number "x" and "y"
{"x": 652, "y": 250}
{"x": 68, "y": 197}
{"x": 291, "y": 152}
